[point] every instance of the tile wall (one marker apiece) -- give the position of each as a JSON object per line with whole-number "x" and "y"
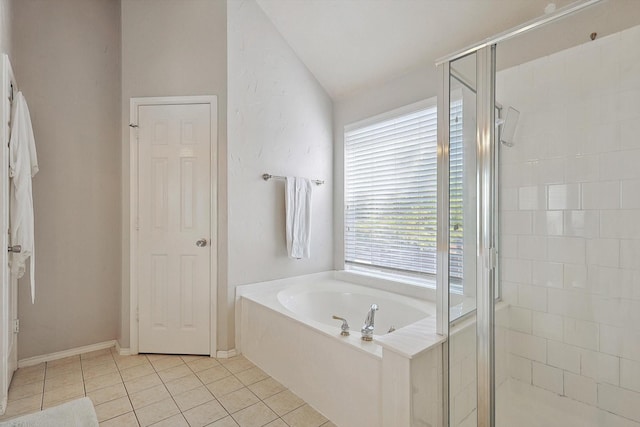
{"x": 570, "y": 223}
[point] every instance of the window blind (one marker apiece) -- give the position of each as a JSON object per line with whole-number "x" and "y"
{"x": 391, "y": 193}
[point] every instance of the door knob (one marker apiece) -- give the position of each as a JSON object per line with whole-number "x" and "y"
{"x": 201, "y": 243}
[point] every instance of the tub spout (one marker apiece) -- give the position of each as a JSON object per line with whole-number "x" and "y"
{"x": 367, "y": 328}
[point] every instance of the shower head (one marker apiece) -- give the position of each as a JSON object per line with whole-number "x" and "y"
{"x": 509, "y": 126}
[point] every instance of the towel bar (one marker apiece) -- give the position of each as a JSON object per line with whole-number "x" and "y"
{"x": 268, "y": 176}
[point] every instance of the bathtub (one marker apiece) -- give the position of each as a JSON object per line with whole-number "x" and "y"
{"x": 286, "y": 328}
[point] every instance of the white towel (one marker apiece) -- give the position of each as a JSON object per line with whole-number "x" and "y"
{"x": 298, "y": 195}
{"x": 23, "y": 165}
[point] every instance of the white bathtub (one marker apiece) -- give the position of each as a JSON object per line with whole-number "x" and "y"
{"x": 286, "y": 328}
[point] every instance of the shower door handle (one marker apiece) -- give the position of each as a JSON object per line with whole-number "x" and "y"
{"x": 201, "y": 243}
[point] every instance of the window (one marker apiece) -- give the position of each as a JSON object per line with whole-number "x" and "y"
{"x": 391, "y": 192}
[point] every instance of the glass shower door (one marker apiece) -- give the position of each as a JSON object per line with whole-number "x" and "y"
{"x": 471, "y": 255}
{"x": 462, "y": 272}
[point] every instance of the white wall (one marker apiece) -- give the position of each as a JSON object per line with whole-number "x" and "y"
{"x": 280, "y": 122}
{"x": 66, "y": 57}
{"x": 569, "y": 218}
{"x": 6, "y": 7}
{"x": 419, "y": 84}
{"x": 174, "y": 47}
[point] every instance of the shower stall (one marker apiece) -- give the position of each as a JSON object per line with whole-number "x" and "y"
{"x": 539, "y": 223}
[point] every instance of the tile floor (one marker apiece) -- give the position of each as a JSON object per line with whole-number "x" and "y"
{"x": 162, "y": 390}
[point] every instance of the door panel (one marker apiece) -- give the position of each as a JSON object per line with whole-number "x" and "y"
{"x": 174, "y": 207}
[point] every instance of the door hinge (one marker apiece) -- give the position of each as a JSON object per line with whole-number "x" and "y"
{"x": 137, "y": 223}
{"x": 16, "y": 326}
{"x": 137, "y": 314}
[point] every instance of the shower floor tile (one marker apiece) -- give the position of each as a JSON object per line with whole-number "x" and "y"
{"x": 162, "y": 390}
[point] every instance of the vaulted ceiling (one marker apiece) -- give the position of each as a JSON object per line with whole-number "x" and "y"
{"x": 353, "y": 44}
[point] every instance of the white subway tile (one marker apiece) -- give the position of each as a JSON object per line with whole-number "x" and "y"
{"x": 630, "y": 374}
{"x": 582, "y": 168}
{"x": 520, "y": 368}
{"x": 547, "y": 274}
{"x": 532, "y": 247}
{"x": 575, "y": 276}
{"x": 547, "y": 377}
{"x": 563, "y": 196}
{"x": 630, "y": 132}
{"x": 612, "y": 282}
{"x": 630, "y": 191}
{"x": 514, "y": 174}
{"x": 619, "y": 401}
{"x": 622, "y": 342}
{"x": 547, "y": 325}
{"x": 603, "y": 252}
{"x": 516, "y": 270}
{"x": 570, "y": 303}
{"x": 563, "y": 356}
{"x": 581, "y": 388}
{"x": 520, "y": 319}
{"x": 604, "y": 137}
{"x": 509, "y": 292}
{"x": 620, "y": 224}
{"x": 508, "y": 246}
{"x": 528, "y": 346}
{"x": 516, "y": 222}
{"x": 600, "y": 366}
{"x": 630, "y": 252}
{"x": 601, "y": 195}
{"x": 548, "y": 223}
{"x": 581, "y": 334}
{"x": 532, "y": 198}
{"x": 532, "y": 297}
{"x": 628, "y": 104}
{"x": 550, "y": 170}
{"x": 582, "y": 224}
{"x": 629, "y": 61}
{"x": 620, "y": 165}
{"x": 571, "y": 250}
{"x": 508, "y": 198}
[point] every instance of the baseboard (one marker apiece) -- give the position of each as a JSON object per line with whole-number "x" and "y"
{"x": 122, "y": 351}
{"x": 226, "y": 353}
{"x": 30, "y": 361}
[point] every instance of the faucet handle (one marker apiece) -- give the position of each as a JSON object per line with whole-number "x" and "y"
{"x": 344, "y": 327}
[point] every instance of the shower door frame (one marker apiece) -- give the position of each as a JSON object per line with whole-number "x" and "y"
{"x": 486, "y": 168}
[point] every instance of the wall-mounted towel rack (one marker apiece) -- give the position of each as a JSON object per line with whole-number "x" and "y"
{"x": 268, "y": 176}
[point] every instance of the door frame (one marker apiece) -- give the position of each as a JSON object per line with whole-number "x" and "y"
{"x": 212, "y": 101}
{"x": 8, "y": 287}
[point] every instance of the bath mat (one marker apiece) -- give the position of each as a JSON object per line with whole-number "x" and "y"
{"x": 77, "y": 413}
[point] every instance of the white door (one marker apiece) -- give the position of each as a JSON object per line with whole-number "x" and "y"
{"x": 174, "y": 228}
{"x": 9, "y": 286}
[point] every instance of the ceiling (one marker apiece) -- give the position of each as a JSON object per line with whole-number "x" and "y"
{"x": 350, "y": 45}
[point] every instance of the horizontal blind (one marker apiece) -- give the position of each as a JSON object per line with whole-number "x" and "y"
{"x": 390, "y": 193}
{"x": 456, "y": 190}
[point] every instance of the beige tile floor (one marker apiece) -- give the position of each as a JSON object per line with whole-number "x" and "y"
{"x": 162, "y": 390}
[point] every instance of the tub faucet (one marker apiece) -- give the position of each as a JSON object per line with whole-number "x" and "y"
{"x": 345, "y": 326}
{"x": 367, "y": 328}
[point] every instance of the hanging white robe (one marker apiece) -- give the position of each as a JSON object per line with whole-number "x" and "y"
{"x": 23, "y": 165}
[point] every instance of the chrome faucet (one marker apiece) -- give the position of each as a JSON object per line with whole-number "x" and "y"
{"x": 345, "y": 326}
{"x": 367, "y": 328}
